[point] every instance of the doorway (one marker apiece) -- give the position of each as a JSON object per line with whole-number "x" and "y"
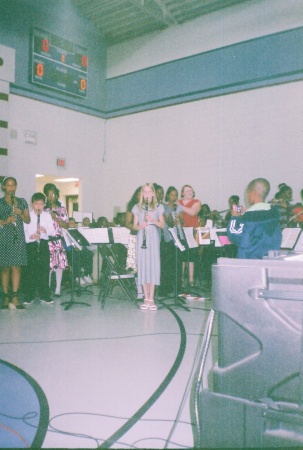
{"x": 72, "y": 204}
{"x": 68, "y": 188}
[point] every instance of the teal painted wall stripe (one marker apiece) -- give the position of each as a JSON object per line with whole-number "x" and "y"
{"x": 260, "y": 62}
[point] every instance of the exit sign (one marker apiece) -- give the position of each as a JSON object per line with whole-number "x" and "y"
{"x": 60, "y": 162}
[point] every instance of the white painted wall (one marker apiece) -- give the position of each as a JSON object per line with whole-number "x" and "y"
{"x": 63, "y": 133}
{"x": 216, "y": 145}
{"x": 237, "y": 23}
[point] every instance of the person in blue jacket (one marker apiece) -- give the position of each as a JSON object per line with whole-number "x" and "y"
{"x": 256, "y": 230}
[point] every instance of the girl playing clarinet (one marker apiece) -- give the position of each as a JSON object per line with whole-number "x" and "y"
{"x": 148, "y": 218}
{"x": 13, "y": 213}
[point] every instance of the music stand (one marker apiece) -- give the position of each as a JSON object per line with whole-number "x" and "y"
{"x": 178, "y": 302}
{"x": 96, "y": 236}
{"x": 192, "y": 243}
{"x": 74, "y": 239}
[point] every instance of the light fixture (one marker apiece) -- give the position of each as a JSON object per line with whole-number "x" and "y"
{"x": 65, "y": 180}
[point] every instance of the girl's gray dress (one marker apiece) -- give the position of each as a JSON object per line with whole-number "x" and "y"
{"x": 148, "y": 260}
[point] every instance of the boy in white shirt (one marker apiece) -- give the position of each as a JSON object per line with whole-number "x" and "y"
{"x": 37, "y": 233}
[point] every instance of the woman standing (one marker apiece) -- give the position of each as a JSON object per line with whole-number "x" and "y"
{"x": 191, "y": 207}
{"x": 148, "y": 217}
{"x": 13, "y": 213}
{"x": 58, "y": 258}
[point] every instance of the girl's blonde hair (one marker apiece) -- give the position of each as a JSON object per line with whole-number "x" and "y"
{"x": 153, "y": 202}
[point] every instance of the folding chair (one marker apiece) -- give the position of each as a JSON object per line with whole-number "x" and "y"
{"x": 114, "y": 272}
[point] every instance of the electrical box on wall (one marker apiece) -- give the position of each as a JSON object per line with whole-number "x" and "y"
{"x": 30, "y": 137}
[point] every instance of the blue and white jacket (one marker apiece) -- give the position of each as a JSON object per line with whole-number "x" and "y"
{"x": 256, "y": 232}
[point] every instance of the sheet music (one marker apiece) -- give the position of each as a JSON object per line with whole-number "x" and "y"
{"x": 203, "y": 235}
{"x": 189, "y": 235}
{"x": 69, "y": 240}
{"x": 177, "y": 241}
{"x": 297, "y": 257}
{"x": 95, "y": 235}
{"x": 121, "y": 235}
{"x": 299, "y": 243}
{"x": 290, "y": 237}
{"x": 214, "y": 236}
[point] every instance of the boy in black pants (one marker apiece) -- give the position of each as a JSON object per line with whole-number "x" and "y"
{"x": 38, "y": 256}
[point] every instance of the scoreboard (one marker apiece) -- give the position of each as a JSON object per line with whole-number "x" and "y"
{"x": 58, "y": 63}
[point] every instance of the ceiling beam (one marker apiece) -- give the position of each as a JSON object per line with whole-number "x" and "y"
{"x": 166, "y": 13}
{"x": 154, "y": 10}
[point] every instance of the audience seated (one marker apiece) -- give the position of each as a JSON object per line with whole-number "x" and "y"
{"x": 86, "y": 222}
{"x": 120, "y": 219}
{"x": 102, "y": 222}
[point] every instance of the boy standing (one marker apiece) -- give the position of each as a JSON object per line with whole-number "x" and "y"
{"x": 37, "y": 233}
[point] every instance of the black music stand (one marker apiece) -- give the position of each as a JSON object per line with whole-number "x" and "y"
{"x": 74, "y": 239}
{"x": 178, "y": 302}
{"x": 97, "y": 236}
{"x": 191, "y": 243}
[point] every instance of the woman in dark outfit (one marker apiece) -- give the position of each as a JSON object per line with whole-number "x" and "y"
{"x": 13, "y": 213}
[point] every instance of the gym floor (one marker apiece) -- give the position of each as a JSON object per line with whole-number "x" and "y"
{"x": 114, "y": 377}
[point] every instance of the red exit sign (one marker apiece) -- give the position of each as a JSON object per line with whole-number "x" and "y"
{"x": 60, "y": 162}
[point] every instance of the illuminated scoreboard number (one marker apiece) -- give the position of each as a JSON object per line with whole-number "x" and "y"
{"x": 58, "y": 63}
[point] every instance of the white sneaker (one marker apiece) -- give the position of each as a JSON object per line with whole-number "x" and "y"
{"x": 81, "y": 281}
{"x": 88, "y": 279}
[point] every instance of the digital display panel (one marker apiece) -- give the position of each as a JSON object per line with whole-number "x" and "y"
{"x": 58, "y": 63}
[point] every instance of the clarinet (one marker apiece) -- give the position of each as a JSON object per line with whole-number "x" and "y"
{"x": 15, "y": 238}
{"x": 224, "y": 210}
{"x": 48, "y": 205}
{"x": 38, "y": 229}
{"x": 144, "y": 246}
